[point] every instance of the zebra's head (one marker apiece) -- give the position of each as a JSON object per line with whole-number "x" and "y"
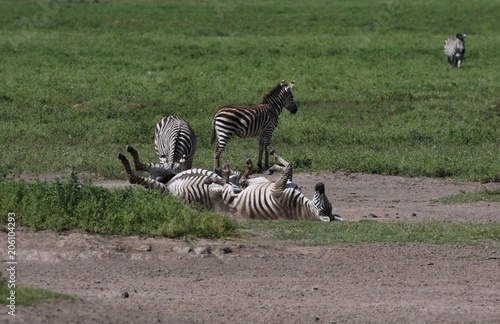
{"x": 288, "y": 102}
{"x": 324, "y": 206}
{"x": 281, "y": 96}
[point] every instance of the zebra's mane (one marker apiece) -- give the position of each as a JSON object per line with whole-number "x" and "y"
{"x": 273, "y": 92}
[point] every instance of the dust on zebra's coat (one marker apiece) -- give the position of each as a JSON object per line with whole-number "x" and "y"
{"x": 454, "y": 50}
{"x": 175, "y": 143}
{"x": 189, "y": 185}
{"x": 252, "y": 121}
{"x": 274, "y": 200}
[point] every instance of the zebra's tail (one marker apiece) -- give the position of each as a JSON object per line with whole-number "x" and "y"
{"x": 212, "y": 139}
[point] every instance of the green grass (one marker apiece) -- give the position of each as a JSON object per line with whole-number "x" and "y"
{"x": 29, "y": 296}
{"x": 81, "y": 79}
{"x": 326, "y": 234}
{"x": 485, "y": 194}
{"x": 69, "y": 204}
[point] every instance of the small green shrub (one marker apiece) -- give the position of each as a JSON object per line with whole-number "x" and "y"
{"x": 70, "y": 204}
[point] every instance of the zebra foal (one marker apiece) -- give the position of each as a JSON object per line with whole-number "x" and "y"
{"x": 276, "y": 200}
{"x": 175, "y": 143}
{"x": 454, "y": 50}
{"x": 252, "y": 121}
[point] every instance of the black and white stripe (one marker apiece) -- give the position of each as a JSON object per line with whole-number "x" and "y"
{"x": 189, "y": 185}
{"x": 454, "y": 50}
{"x": 252, "y": 121}
{"x": 175, "y": 143}
{"x": 276, "y": 200}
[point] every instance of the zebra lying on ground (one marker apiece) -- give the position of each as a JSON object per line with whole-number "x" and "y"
{"x": 175, "y": 143}
{"x": 251, "y": 121}
{"x": 454, "y": 50}
{"x": 189, "y": 185}
{"x": 273, "y": 200}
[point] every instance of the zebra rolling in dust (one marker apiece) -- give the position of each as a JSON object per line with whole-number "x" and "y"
{"x": 189, "y": 185}
{"x": 454, "y": 50}
{"x": 252, "y": 121}
{"x": 274, "y": 200}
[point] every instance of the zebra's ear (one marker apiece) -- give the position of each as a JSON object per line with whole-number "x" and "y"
{"x": 282, "y": 83}
{"x": 290, "y": 86}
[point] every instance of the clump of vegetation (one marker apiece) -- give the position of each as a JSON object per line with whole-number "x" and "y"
{"x": 28, "y": 296}
{"x": 70, "y": 204}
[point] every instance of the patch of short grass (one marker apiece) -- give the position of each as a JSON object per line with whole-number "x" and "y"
{"x": 29, "y": 296}
{"x": 485, "y": 194}
{"x": 69, "y": 204}
{"x": 367, "y": 231}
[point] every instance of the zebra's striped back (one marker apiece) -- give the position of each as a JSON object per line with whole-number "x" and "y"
{"x": 175, "y": 143}
{"x": 252, "y": 121}
{"x": 454, "y": 50}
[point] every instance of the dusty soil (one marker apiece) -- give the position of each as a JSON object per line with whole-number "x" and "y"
{"x": 260, "y": 281}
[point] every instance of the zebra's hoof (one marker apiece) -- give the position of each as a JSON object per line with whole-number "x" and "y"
{"x": 269, "y": 172}
{"x": 131, "y": 150}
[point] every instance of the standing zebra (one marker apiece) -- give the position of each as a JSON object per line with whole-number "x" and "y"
{"x": 189, "y": 185}
{"x": 274, "y": 200}
{"x": 454, "y": 50}
{"x": 175, "y": 143}
{"x": 251, "y": 121}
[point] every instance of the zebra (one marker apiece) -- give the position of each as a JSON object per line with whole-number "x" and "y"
{"x": 158, "y": 172}
{"x": 251, "y": 121}
{"x": 189, "y": 184}
{"x": 454, "y": 50}
{"x": 175, "y": 143}
{"x": 273, "y": 200}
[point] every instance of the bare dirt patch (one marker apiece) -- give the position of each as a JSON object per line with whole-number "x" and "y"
{"x": 260, "y": 281}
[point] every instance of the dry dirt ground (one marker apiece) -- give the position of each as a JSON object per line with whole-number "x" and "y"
{"x": 260, "y": 281}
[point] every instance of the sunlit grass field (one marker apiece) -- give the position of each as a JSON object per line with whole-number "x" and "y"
{"x": 82, "y": 79}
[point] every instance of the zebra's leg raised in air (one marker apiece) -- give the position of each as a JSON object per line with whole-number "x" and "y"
{"x": 245, "y": 176}
{"x": 135, "y": 179}
{"x": 158, "y": 172}
{"x": 286, "y": 167}
{"x": 221, "y": 181}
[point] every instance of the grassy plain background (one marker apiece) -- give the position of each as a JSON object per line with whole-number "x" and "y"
{"x": 81, "y": 79}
